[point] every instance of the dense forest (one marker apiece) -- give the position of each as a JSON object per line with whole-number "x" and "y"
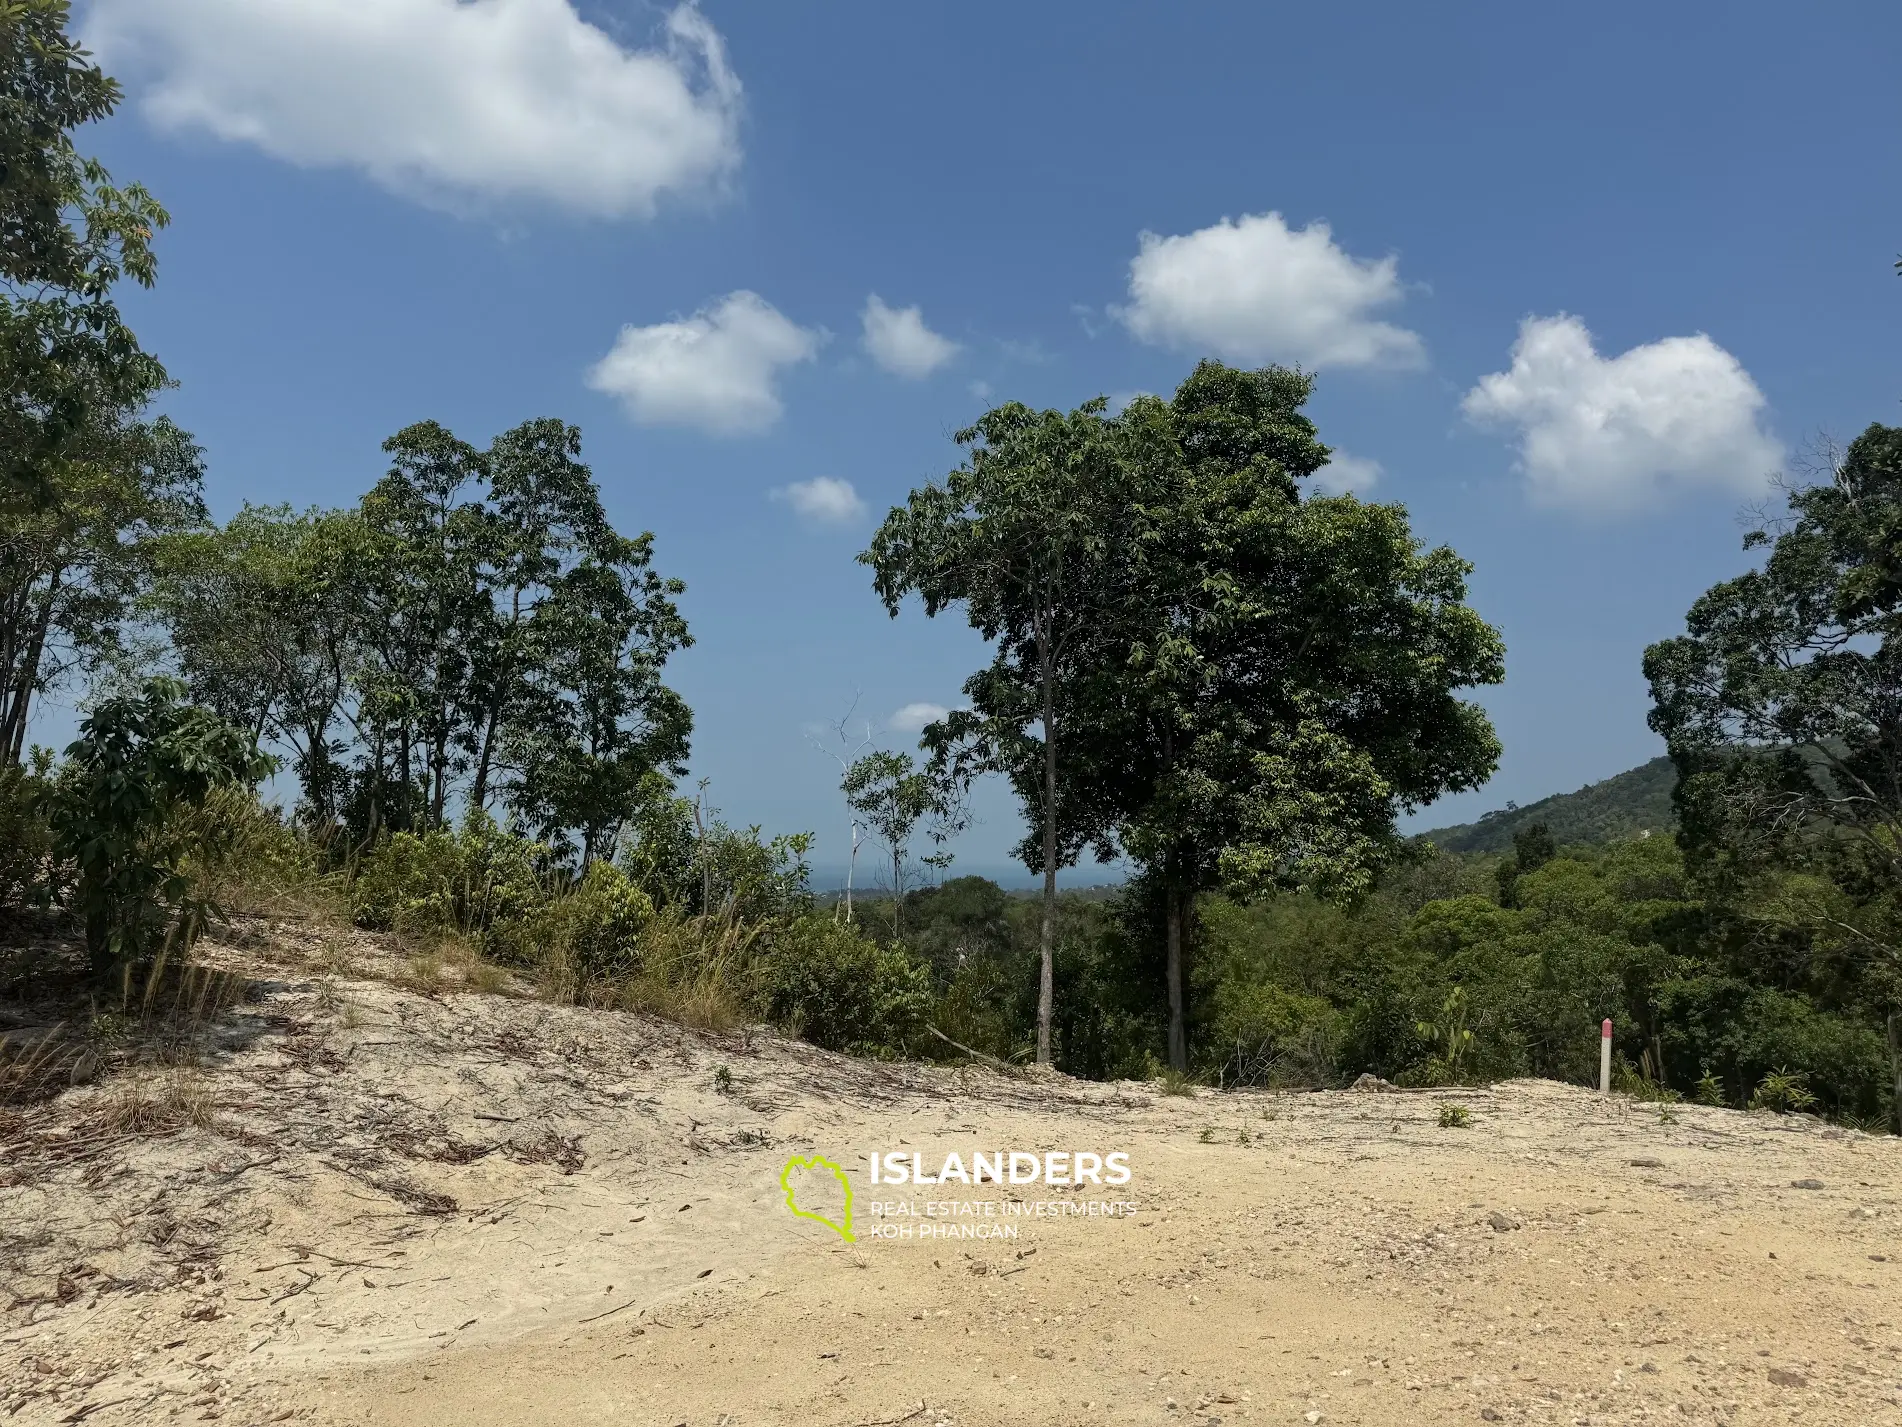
{"x": 1199, "y": 663}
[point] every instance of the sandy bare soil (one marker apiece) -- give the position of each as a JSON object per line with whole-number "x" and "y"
{"x": 458, "y": 1209}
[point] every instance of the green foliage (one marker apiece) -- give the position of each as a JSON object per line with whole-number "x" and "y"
{"x": 894, "y": 796}
{"x": 68, "y": 363}
{"x": 1709, "y": 1089}
{"x": 1782, "y": 1092}
{"x": 841, "y": 990}
{"x": 474, "y": 629}
{"x": 121, "y": 812}
{"x": 72, "y": 563}
{"x": 1455, "y": 1117}
{"x": 1449, "y": 1037}
{"x": 484, "y": 883}
{"x": 26, "y": 841}
{"x": 595, "y": 927}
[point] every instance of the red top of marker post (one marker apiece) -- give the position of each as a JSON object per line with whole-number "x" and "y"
{"x": 1605, "y": 1030}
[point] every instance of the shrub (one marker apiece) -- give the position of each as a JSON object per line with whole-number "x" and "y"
{"x": 26, "y": 842}
{"x": 595, "y": 925}
{"x": 123, "y": 811}
{"x": 1455, "y": 1117}
{"x": 483, "y": 882}
{"x": 840, "y": 990}
{"x": 1783, "y": 1092}
{"x": 1275, "y": 1037}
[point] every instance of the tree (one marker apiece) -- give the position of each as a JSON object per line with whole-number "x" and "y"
{"x": 262, "y": 616}
{"x": 1286, "y": 670}
{"x": 596, "y": 718}
{"x": 1024, "y": 536}
{"x": 894, "y": 796}
{"x": 67, "y": 236}
{"x": 120, "y": 811}
{"x": 1781, "y": 706}
{"x": 72, "y": 563}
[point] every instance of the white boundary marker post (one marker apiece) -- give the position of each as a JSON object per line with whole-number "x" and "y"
{"x": 1604, "y": 1057}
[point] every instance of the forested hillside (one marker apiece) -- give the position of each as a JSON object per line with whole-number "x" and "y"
{"x": 1633, "y": 802}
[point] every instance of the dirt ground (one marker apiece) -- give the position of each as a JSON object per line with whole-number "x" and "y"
{"x": 420, "y": 1209}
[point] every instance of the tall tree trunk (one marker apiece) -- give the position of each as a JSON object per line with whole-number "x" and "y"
{"x": 404, "y": 770}
{"x": 898, "y": 887}
{"x": 1047, "y": 936}
{"x": 479, "y": 791}
{"x": 27, "y": 675}
{"x": 1178, "y": 1019}
{"x": 439, "y": 773}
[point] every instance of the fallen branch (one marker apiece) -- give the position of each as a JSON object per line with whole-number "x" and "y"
{"x": 1002, "y": 1066}
{"x": 611, "y": 1312}
{"x": 917, "y": 1411}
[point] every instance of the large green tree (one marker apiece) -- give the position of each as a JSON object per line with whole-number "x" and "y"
{"x": 1289, "y": 665}
{"x": 1026, "y": 537}
{"x": 68, "y": 362}
{"x": 262, "y": 615}
{"x": 1781, "y": 705}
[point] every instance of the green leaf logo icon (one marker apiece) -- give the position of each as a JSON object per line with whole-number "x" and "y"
{"x": 843, "y": 1226}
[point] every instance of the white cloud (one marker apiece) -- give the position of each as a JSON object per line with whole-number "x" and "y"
{"x": 912, "y": 718}
{"x": 716, "y": 370}
{"x": 1615, "y": 433}
{"x": 824, "y": 500}
{"x": 1256, "y": 290}
{"x": 899, "y": 341}
{"x": 1344, "y": 473}
{"x": 444, "y": 100}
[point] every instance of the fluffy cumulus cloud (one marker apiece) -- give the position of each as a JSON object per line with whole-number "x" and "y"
{"x": 823, "y": 500}
{"x": 912, "y": 718}
{"x": 717, "y": 370}
{"x": 451, "y": 101}
{"x": 898, "y": 340}
{"x": 1616, "y": 433}
{"x": 1344, "y": 473}
{"x": 1255, "y": 290}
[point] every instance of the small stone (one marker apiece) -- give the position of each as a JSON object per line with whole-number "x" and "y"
{"x": 1486, "y": 1414}
{"x": 1310, "y": 1416}
{"x": 1503, "y": 1223}
{"x": 1783, "y": 1377}
{"x": 1806, "y": 1184}
{"x": 1647, "y": 1162}
{"x": 1878, "y": 1258}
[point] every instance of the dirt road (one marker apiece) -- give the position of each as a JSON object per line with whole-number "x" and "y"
{"x": 466, "y": 1210}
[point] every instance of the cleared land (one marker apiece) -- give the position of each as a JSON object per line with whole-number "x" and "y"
{"x": 374, "y": 1205}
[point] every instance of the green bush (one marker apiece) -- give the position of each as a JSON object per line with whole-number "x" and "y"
{"x": 483, "y": 882}
{"x": 596, "y": 925}
{"x": 1273, "y": 1036}
{"x": 826, "y": 982}
{"x": 127, "y": 811}
{"x": 26, "y": 841}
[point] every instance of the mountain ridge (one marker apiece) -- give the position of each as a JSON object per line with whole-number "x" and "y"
{"x": 1627, "y": 804}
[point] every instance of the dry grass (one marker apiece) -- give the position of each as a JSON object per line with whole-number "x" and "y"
{"x": 706, "y": 1002}
{"x": 156, "y": 1100}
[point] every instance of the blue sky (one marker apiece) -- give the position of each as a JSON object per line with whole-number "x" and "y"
{"x": 464, "y": 210}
